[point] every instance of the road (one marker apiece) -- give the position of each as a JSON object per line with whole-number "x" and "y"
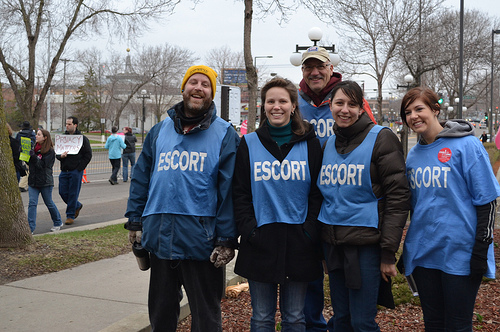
{"x": 101, "y": 202}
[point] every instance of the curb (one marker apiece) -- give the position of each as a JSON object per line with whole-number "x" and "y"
{"x": 139, "y": 322}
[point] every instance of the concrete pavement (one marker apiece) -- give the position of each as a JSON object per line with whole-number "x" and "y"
{"x": 109, "y": 295}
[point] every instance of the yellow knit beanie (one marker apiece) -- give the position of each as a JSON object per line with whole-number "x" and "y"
{"x": 209, "y": 72}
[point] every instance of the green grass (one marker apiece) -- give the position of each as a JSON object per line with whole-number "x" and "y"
{"x": 55, "y": 252}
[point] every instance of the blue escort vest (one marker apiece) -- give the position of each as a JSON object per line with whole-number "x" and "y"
{"x": 320, "y": 117}
{"x": 346, "y": 185}
{"x": 184, "y": 177}
{"x": 272, "y": 182}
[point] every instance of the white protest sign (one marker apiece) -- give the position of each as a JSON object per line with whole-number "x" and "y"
{"x": 68, "y": 143}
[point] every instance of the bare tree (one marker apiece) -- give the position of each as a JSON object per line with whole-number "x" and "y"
{"x": 63, "y": 20}
{"x": 372, "y": 31}
{"x": 264, "y": 7}
{"x": 14, "y": 227}
{"x": 22, "y": 23}
{"x": 224, "y": 58}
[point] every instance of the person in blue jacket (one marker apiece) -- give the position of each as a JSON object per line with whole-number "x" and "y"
{"x": 114, "y": 145}
{"x": 276, "y": 203}
{"x": 180, "y": 206}
{"x": 449, "y": 245}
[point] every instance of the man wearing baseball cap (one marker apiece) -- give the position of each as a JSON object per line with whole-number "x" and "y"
{"x": 318, "y": 80}
{"x": 180, "y": 206}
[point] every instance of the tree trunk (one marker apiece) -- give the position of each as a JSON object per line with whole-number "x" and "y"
{"x": 250, "y": 68}
{"x": 14, "y": 228}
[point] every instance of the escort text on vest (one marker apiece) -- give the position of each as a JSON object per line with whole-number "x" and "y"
{"x": 286, "y": 170}
{"x": 428, "y": 177}
{"x": 182, "y": 160}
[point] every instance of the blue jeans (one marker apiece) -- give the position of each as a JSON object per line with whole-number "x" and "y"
{"x": 204, "y": 285}
{"x": 49, "y": 203}
{"x": 355, "y": 309}
{"x": 447, "y": 300}
{"x": 126, "y": 157}
{"x": 264, "y": 297}
{"x": 313, "y": 309}
{"x": 70, "y": 183}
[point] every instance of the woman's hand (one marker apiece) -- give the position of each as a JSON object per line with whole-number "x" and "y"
{"x": 388, "y": 270}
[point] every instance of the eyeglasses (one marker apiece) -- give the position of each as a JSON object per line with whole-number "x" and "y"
{"x": 321, "y": 67}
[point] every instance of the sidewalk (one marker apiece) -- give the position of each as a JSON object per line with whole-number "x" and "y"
{"x": 109, "y": 295}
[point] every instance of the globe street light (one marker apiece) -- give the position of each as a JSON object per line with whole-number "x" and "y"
{"x": 314, "y": 35}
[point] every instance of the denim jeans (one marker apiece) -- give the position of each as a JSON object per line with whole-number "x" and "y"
{"x": 264, "y": 297}
{"x": 70, "y": 183}
{"x": 313, "y": 309}
{"x": 47, "y": 199}
{"x": 447, "y": 300}
{"x": 355, "y": 309}
{"x": 126, "y": 157}
{"x": 115, "y": 164}
{"x": 203, "y": 283}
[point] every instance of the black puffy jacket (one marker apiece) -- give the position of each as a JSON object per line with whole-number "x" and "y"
{"x": 389, "y": 184}
{"x": 40, "y": 166}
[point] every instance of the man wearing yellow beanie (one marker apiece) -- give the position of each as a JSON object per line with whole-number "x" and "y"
{"x": 180, "y": 206}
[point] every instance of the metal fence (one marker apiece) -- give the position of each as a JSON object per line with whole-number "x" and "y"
{"x": 99, "y": 164}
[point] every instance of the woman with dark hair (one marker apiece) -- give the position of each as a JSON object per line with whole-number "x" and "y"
{"x": 40, "y": 179}
{"x": 448, "y": 247}
{"x": 276, "y": 203}
{"x": 365, "y": 206}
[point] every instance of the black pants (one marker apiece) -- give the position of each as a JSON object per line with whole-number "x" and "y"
{"x": 203, "y": 284}
{"x": 115, "y": 163}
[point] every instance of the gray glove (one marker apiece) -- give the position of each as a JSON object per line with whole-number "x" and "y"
{"x": 221, "y": 256}
{"x": 134, "y": 236}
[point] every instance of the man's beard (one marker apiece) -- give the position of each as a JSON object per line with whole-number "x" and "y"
{"x": 191, "y": 109}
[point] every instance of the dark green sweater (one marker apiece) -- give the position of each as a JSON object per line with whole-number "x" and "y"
{"x": 281, "y": 135}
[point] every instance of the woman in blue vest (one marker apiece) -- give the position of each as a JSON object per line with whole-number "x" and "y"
{"x": 365, "y": 207}
{"x": 276, "y": 203}
{"x": 448, "y": 247}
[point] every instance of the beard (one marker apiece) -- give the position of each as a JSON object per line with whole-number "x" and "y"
{"x": 198, "y": 107}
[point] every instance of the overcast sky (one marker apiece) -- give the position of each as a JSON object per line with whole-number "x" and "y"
{"x": 212, "y": 24}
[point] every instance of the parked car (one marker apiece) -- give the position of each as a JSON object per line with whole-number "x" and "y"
{"x": 136, "y": 130}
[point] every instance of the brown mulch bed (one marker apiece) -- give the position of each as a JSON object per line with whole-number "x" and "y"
{"x": 236, "y": 312}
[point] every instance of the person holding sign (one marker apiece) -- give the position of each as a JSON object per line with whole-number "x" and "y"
{"x": 73, "y": 162}
{"x": 41, "y": 181}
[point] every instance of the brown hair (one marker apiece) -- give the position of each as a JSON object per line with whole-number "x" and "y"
{"x": 429, "y": 98}
{"x": 352, "y": 90}
{"x": 299, "y": 126}
{"x": 47, "y": 144}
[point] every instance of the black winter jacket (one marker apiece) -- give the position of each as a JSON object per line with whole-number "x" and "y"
{"x": 277, "y": 252}
{"x": 389, "y": 183}
{"x": 40, "y": 166}
{"x": 81, "y": 159}
{"x": 130, "y": 140}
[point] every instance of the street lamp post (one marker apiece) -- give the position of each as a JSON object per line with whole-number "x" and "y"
{"x": 144, "y": 95}
{"x": 64, "y": 94}
{"x": 314, "y": 35}
{"x": 404, "y": 133}
{"x": 490, "y": 117}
